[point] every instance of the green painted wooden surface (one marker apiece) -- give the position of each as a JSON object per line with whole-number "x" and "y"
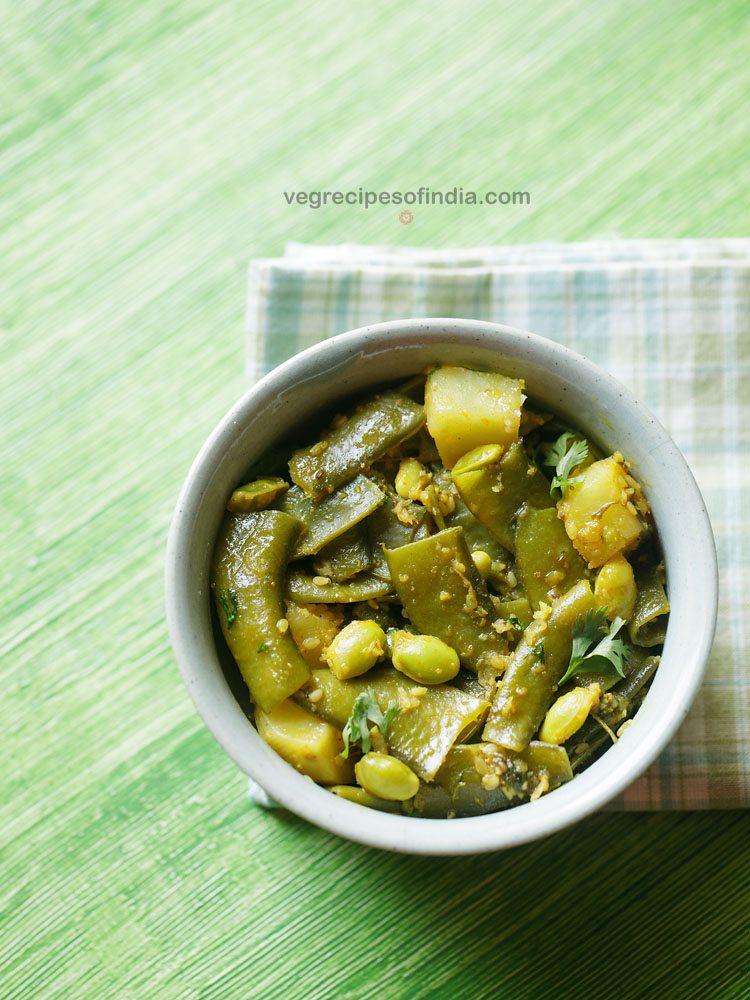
{"x": 144, "y": 149}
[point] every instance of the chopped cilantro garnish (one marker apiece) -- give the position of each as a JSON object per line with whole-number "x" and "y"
{"x": 563, "y": 460}
{"x": 228, "y": 602}
{"x": 596, "y": 648}
{"x": 366, "y": 712}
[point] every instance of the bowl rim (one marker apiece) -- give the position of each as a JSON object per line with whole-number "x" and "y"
{"x": 469, "y": 835}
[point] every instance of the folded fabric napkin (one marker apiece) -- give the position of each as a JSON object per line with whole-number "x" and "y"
{"x": 669, "y": 318}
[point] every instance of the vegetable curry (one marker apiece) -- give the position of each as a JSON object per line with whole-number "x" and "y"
{"x": 448, "y": 604}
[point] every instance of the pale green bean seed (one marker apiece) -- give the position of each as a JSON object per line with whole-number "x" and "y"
{"x": 568, "y": 714}
{"x": 424, "y": 658}
{"x": 386, "y": 778}
{"x": 356, "y": 648}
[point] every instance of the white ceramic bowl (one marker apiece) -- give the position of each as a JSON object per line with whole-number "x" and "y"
{"x": 558, "y": 380}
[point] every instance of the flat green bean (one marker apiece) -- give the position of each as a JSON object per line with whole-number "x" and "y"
{"x": 431, "y": 719}
{"x": 345, "y": 556}
{"x": 481, "y": 777}
{"x": 495, "y": 492}
{"x": 443, "y": 595}
{"x": 546, "y": 560}
{"x": 539, "y": 661}
{"x": 373, "y": 429}
{"x": 248, "y": 574}
{"x": 307, "y": 588}
{"x": 332, "y": 516}
{"x": 648, "y": 624}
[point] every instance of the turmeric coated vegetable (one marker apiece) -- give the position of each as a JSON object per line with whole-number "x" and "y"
{"x": 331, "y": 517}
{"x": 445, "y": 566}
{"x": 568, "y": 714}
{"x": 248, "y": 583}
{"x": 356, "y": 649}
{"x": 600, "y": 512}
{"x": 615, "y": 588}
{"x": 386, "y": 777}
{"x": 373, "y": 429}
{"x": 256, "y": 495}
{"x": 423, "y": 658}
{"x": 495, "y": 489}
{"x": 545, "y": 557}
{"x": 467, "y": 408}
{"x": 310, "y": 745}
{"x": 444, "y": 596}
{"x": 539, "y": 661}
{"x": 431, "y": 719}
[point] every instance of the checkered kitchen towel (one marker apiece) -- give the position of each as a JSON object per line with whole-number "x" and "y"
{"x": 670, "y": 319}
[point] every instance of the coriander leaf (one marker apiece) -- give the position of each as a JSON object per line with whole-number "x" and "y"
{"x": 577, "y": 453}
{"x": 555, "y": 452}
{"x": 611, "y": 648}
{"x": 366, "y": 712}
{"x": 228, "y": 602}
{"x": 596, "y": 648}
{"x": 263, "y": 647}
{"x": 586, "y": 631}
{"x": 515, "y": 621}
{"x": 538, "y": 651}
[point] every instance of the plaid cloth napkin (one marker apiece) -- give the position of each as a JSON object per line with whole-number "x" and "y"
{"x": 669, "y": 318}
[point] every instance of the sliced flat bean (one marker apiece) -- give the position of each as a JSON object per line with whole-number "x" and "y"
{"x": 518, "y": 608}
{"x": 373, "y": 429}
{"x": 526, "y": 690}
{"x": 430, "y": 722}
{"x": 482, "y": 778}
{"x": 475, "y": 533}
{"x": 311, "y": 745}
{"x": 443, "y": 595}
{"x": 248, "y": 577}
{"x": 495, "y": 492}
{"x": 395, "y": 523}
{"x": 307, "y": 588}
{"x": 545, "y": 557}
{"x": 334, "y": 515}
{"x": 648, "y": 626}
{"x": 344, "y": 557}
{"x": 354, "y": 794}
{"x": 256, "y": 495}
{"x": 628, "y": 696}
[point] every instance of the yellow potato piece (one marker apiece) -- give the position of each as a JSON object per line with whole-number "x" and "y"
{"x": 313, "y": 628}
{"x": 599, "y": 515}
{"x": 466, "y": 409}
{"x": 309, "y": 744}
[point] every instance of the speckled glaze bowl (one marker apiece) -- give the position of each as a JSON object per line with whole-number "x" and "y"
{"x": 556, "y": 379}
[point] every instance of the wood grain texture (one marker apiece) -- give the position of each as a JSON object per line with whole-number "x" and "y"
{"x": 144, "y": 149}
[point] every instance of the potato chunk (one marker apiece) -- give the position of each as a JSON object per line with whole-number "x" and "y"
{"x": 466, "y": 409}
{"x": 309, "y": 744}
{"x": 600, "y": 513}
{"x": 313, "y": 628}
